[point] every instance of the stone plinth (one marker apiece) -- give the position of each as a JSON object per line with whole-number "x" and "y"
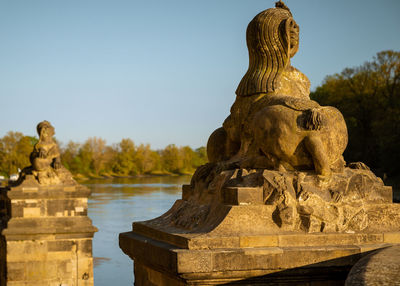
{"x": 234, "y": 228}
{"x": 264, "y": 227}
{"x": 164, "y": 255}
{"x": 46, "y": 235}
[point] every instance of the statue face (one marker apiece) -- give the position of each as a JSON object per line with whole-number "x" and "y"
{"x": 47, "y": 132}
{"x": 292, "y": 30}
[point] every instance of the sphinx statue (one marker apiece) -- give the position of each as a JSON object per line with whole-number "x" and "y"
{"x": 46, "y": 167}
{"x": 45, "y": 157}
{"x": 279, "y": 142}
{"x": 273, "y": 122}
{"x": 276, "y": 193}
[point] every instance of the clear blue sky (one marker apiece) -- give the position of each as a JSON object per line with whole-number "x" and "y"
{"x": 160, "y": 71}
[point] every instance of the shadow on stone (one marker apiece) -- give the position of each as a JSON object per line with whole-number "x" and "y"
{"x": 381, "y": 267}
{"x": 323, "y": 273}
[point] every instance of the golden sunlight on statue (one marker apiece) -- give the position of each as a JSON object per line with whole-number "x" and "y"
{"x": 276, "y": 183}
{"x": 273, "y": 123}
{"x": 45, "y": 156}
{"x": 46, "y": 167}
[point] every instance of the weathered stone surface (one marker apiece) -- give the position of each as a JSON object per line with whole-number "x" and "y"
{"x": 242, "y": 196}
{"x": 267, "y": 202}
{"x": 46, "y": 236}
{"x": 218, "y": 265}
{"x": 46, "y": 168}
{"x": 273, "y": 123}
{"x": 233, "y": 222}
{"x": 382, "y": 267}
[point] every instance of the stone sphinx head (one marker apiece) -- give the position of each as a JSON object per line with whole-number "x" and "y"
{"x": 272, "y": 39}
{"x": 45, "y": 130}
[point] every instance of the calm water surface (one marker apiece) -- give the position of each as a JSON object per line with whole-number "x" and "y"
{"x": 113, "y": 206}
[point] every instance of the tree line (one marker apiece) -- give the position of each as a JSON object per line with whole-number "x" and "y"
{"x": 94, "y": 158}
{"x": 369, "y": 98}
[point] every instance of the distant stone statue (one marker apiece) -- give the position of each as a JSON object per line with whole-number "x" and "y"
{"x": 45, "y": 159}
{"x": 44, "y": 213}
{"x": 273, "y": 123}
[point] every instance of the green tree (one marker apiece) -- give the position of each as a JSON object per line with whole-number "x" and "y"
{"x": 110, "y": 154}
{"x": 145, "y": 159}
{"x": 15, "y": 149}
{"x": 200, "y": 157}
{"x": 170, "y": 159}
{"x": 95, "y": 158}
{"x": 69, "y": 157}
{"x": 186, "y": 157}
{"x": 96, "y": 149}
{"x": 369, "y": 98}
{"x": 124, "y": 162}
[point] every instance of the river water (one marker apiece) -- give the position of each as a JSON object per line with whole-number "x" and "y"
{"x": 113, "y": 206}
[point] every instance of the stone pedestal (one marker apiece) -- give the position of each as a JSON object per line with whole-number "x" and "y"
{"x": 239, "y": 238}
{"x": 46, "y": 236}
{"x": 168, "y": 256}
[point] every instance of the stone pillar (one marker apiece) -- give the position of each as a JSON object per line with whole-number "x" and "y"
{"x": 46, "y": 235}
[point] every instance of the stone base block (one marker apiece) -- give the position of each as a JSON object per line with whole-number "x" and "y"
{"x": 305, "y": 261}
{"x": 45, "y": 236}
{"x": 50, "y": 262}
{"x": 238, "y": 226}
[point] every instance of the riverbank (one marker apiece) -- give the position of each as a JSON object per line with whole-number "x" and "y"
{"x": 82, "y": 178}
